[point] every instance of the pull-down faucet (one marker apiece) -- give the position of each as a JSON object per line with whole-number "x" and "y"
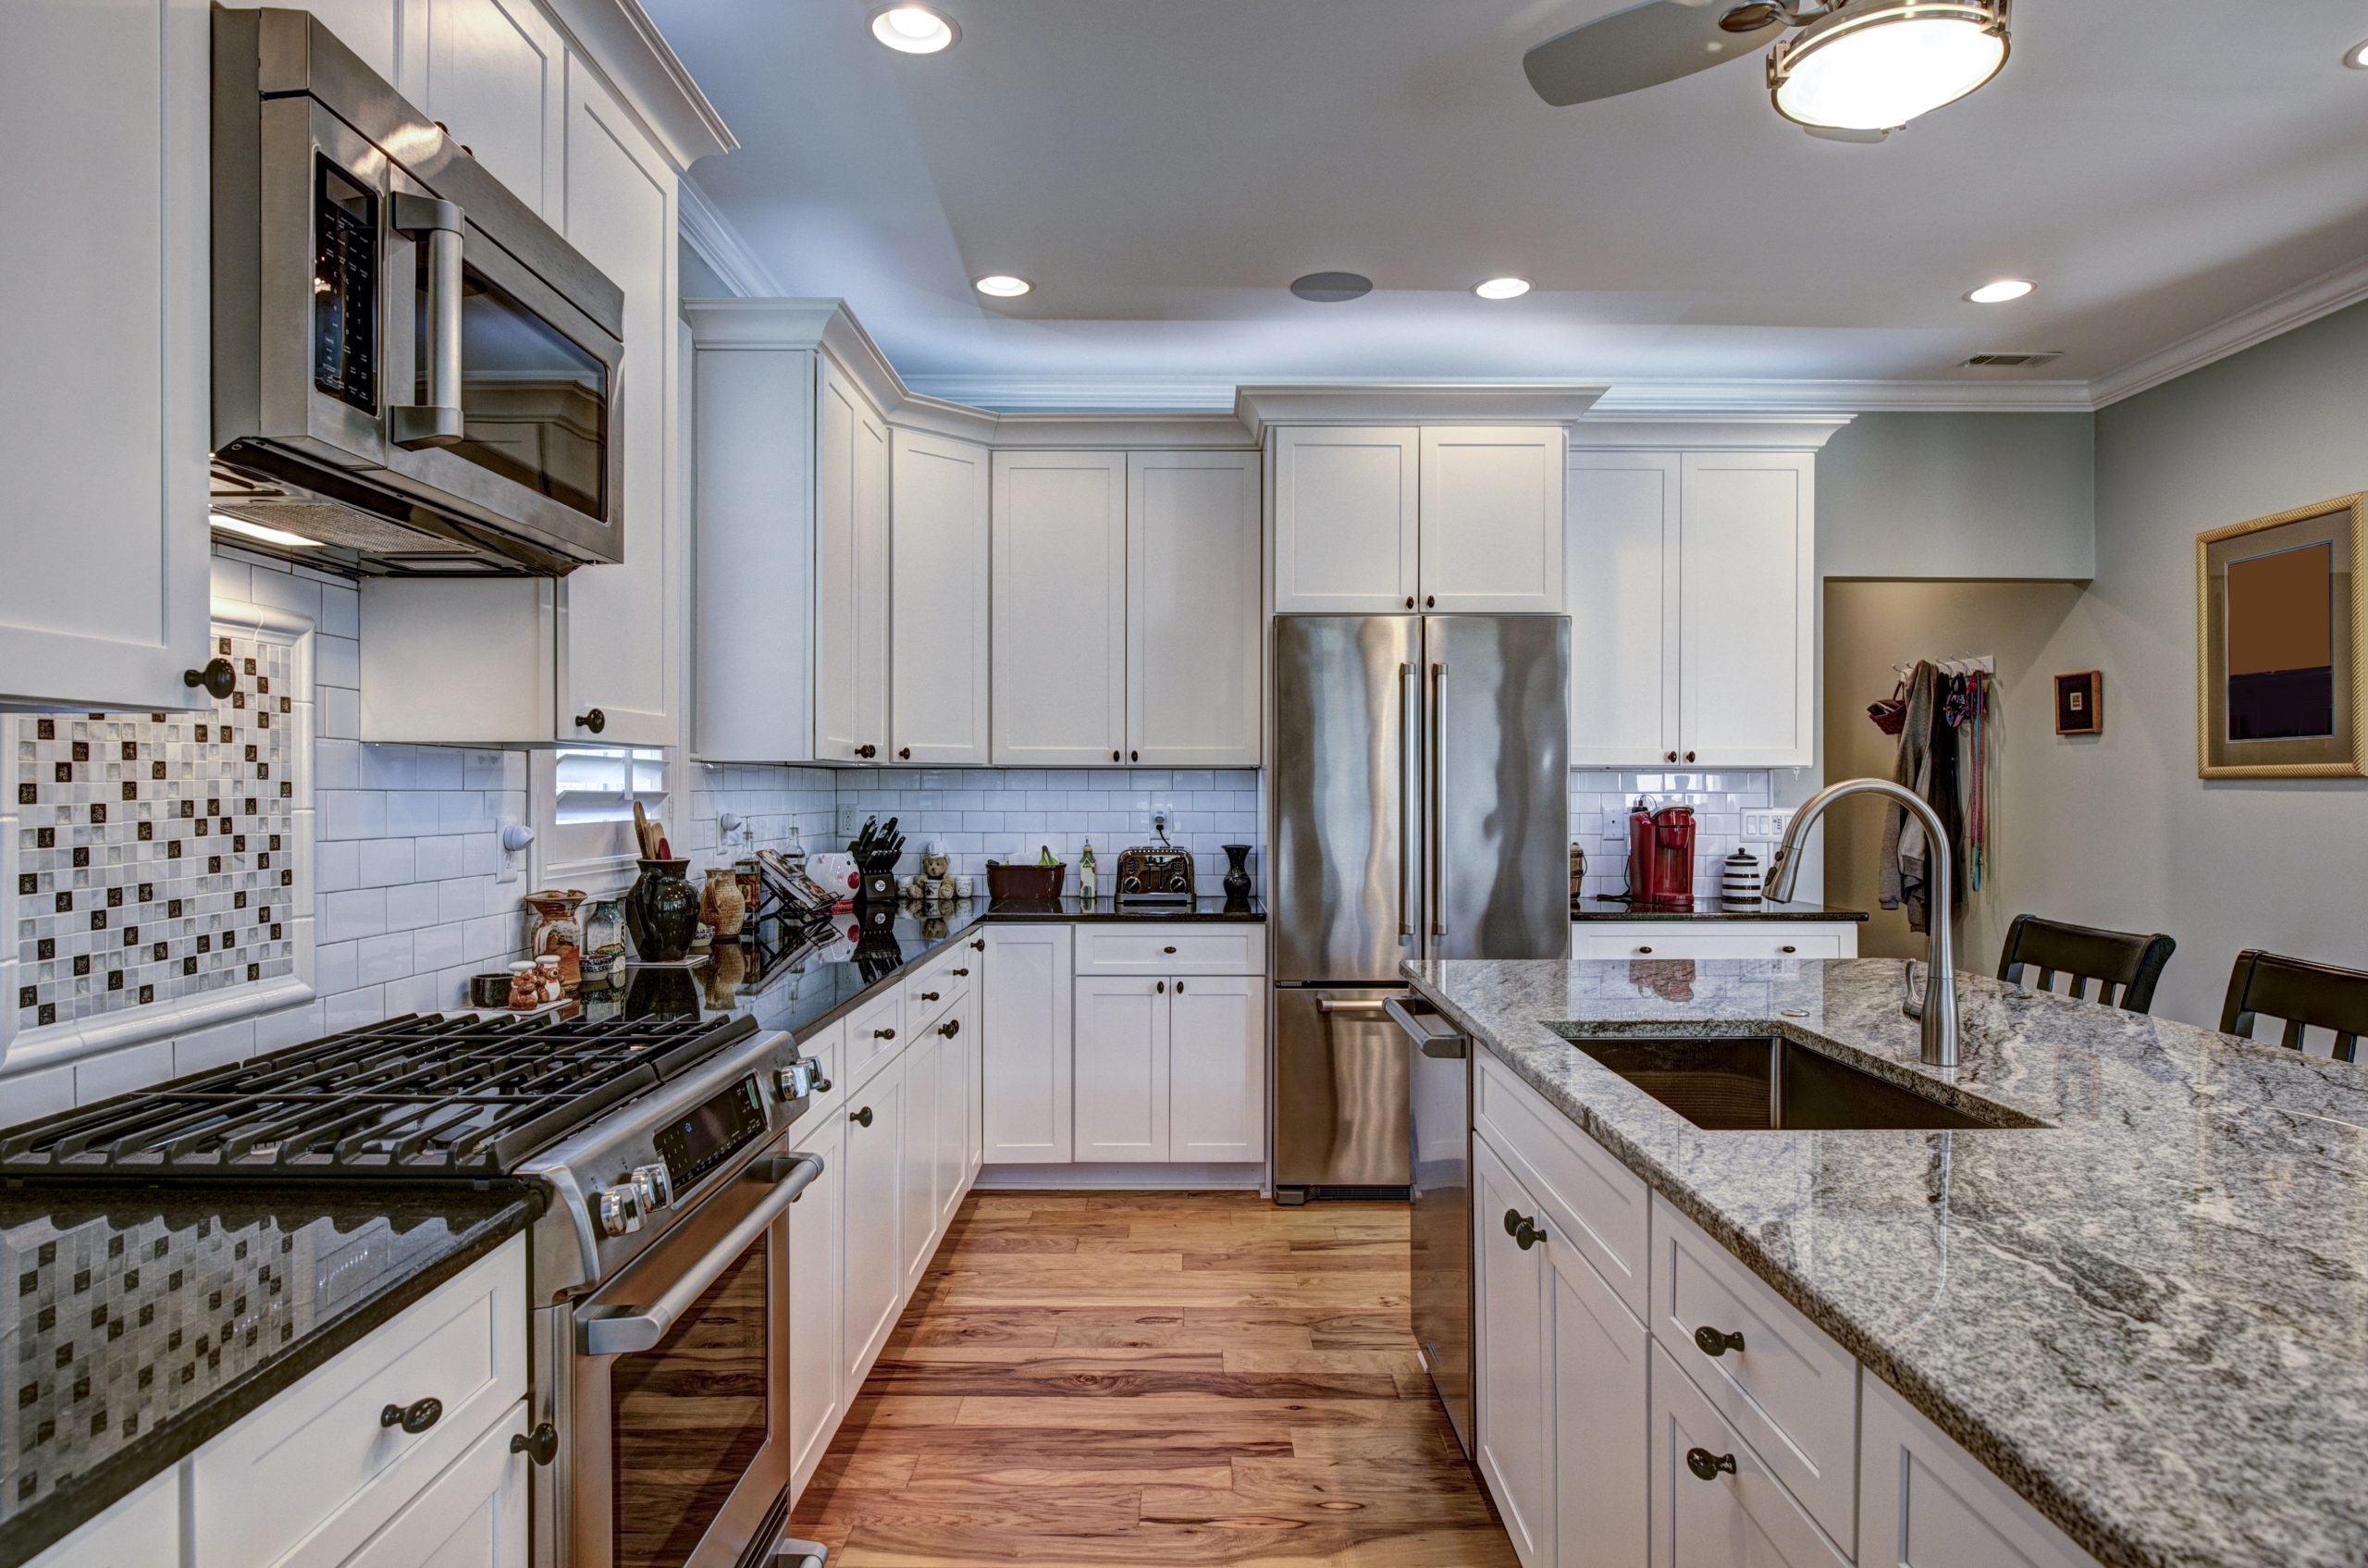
{"x": 1940, "y": 1017}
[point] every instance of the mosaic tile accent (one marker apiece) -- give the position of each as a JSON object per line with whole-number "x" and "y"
{"x": 156, "y": 853}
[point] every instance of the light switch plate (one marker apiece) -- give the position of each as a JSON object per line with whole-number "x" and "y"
{"x": 1765, "y": 822}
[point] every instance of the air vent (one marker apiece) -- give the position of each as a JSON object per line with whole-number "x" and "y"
{"x": 2033, "y": 356}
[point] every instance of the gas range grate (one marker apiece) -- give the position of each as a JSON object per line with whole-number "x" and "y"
{"x": 424, "y": 1095}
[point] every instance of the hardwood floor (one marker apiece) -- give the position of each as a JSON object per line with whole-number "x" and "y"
{"x": 1131, "y": 1378}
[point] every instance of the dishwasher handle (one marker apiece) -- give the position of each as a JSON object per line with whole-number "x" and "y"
{"x": 1428, "y": 1031}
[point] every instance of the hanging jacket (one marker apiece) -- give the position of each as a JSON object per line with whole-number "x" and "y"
{"x": 1903, "y": 847}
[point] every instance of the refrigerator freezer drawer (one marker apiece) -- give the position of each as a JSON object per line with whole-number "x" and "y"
{"x": 1341, "y": 1109}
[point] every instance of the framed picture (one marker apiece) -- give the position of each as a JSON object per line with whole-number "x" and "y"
{"x": 2280, "y": 612}
{"x": 2079, "y": 703}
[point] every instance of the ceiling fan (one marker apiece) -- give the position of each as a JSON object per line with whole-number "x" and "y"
{"x": 1857, "y": 69}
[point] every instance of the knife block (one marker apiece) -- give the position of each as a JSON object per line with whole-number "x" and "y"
{"x": 879, "y": 884}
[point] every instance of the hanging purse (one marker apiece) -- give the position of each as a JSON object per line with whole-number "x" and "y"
{"x": 1890, "y": 715}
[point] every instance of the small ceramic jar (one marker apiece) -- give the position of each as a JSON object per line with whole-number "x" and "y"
{"x": 547, "y": 977}
{"x": 525, "y": 991}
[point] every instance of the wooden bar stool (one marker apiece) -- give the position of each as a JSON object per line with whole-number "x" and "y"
{"x": 2082, "y": 954}
{"x": 2301, "y": 993}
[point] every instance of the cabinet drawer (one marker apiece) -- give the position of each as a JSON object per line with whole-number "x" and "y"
{"x": 1743, "y": 1515}
{"x": 875, "y": 1034}
{"x": 307, "y": 1478}
{"x": 828, "y": 1047}
{"x": 1790, "y": 1390}
{"x": 1685, "y": 941}
{"x": 474, "y": 1513}
{"x": 931, "y": 991}
{"x": 1171, "y": 949}
{"x": 1589, "y": 1197}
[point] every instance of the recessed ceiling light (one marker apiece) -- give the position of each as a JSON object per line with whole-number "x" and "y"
{"x": 1003, "y": 285}
{"x": 1502, "y": 288}
{"x": 257, "y": 531}
{"x": 1879, "y": 64}
{"x": 2357, "y": 56}
{"x": 1998, "y": 291}
{"x": 1331, "y": 287}
{"x": 911, "y": 29}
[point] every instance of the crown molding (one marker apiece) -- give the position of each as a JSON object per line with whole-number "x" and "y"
{"x": 625, "y": 46}
{"x": 1844, "y": 397}
{"x": 1122, "y": 430}
{"x": 1084, "y": 394}
{"x": 2323, "y": 295}
{"x": 1714, "y": 432}
{"x": 1442, "y": 403}
{"x": 711, "y": 235}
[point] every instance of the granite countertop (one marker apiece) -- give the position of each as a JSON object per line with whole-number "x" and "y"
{"x": 2150, "y": 1317}
{"x": 137, "y": 1322}
{"x": 1710, "y": 908}
{"x": 1207, "y": 906}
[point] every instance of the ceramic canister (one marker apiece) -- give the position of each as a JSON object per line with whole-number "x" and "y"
{"x": 1740, "y": 883}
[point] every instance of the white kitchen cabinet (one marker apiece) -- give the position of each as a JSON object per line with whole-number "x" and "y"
{"x": 1346, "y": 520}
{"x": 473, "y": 1516}
{"x": 850, "y": 573}
{"x": 950, "y": 1149}
{"x": 871, "y": 1274}
{"x": 496, "y": 79}
{"x": 938, "y": 653}
{"x": 1738, "y": 1516}
{"x": 1924, "y": 1503}
{"x": 1513, "y": 1436}
{"x": 103, "y": 332}
{"x": 1620, "y": 575}
{"x": 917, "y": 1164}
{"x": 974, "y": 1056}
{"x": 1747, "y": 610}
{"x": 1195, "y": 622}
{"x": 1600, "y": 1356}
{"x": 140, "y": 1531}
{"x": 1492, "y": 520}
{"x": 1216, "y": 1068}
{"x": 816, "y": 1397}
{"x": 1121, "y": 1070}
{"x": 1025, "y": 1031}
{"x": 1060, "y": 609}
{"x": 1778, "y": 939}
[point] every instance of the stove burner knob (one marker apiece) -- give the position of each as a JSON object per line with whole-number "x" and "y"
{"x": 620, "y": 1210}
{"x": 654, "y": 1187}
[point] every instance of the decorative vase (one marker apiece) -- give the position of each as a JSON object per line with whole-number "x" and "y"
{"x": 1237, "y": 871}
{"x": 558, "y": 931}
{"x": 604, "y": 943}
{"x": 662, "y": 913}
{"x": 723, "y": 908}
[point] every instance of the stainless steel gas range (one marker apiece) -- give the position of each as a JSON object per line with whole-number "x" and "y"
{"x": 658, "y": 1271}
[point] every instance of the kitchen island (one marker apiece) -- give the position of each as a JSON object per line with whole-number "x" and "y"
{"x": 2148, "y": 1316}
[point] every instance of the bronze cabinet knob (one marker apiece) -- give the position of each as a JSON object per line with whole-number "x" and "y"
{"x": 861, "y": 1117}
{"x": 1527, "y": 1232}
{"x": 416, "y": 1417}
{"x": 218, "y": 678}
{"x": 1712, "y": 1341}
{"x": 1707, "y": 1466}
{"x": 593, "y": 719}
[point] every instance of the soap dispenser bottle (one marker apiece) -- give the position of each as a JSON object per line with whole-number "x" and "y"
{"x": 1086, "y": 873}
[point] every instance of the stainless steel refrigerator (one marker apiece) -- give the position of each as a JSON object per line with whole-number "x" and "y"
{"x": 1420, "y": 797}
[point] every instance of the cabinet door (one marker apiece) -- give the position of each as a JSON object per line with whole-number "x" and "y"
{"x": 1619, "y": 577}
{"x": 938, "y": 601}
{"x": 497, "y": 79}
{"x": 974, "y": 1145}
{"x": 1748, "y": 610}
{"x": 1347, "y": 535}
{"x": 917, "y": 1161}
{"x": 1217, "y": 1069}
{"x": 473, "y": 1516}
{"x": 1027, "y": 1036}
{"x": 620, "y": 624}
{"x": 1924, "y": 1502}
{"x": 141, "y": 1531}
{"x": 871, "y": 1270}
{"x": 954, "y": 1094}
{"x": 1492, "y": 519}
{"x": 104, "y": 331}
{"x": 815, "y": 1399}
{"x": 850, "y": 573}
{"x": 1060, "y": 608}
{"x": 1600, "y": 1355}
{"x": 1194, "y": 621}
{"x": 1742, "y": 1514}
{"x": 1122, "y": 1069}
{"x": 1514, "y": 1352}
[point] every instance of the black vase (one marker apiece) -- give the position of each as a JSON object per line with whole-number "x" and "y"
{"x": 1237, "y": 871}
{"x": 662, "y": 912}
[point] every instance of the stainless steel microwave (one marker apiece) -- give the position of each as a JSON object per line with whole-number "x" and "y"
{"x": 413, "y": 372}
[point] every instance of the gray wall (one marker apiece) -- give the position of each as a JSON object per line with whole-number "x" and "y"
{"x": 1958, "y": 494}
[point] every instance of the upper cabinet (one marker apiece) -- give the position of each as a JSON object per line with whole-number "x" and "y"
{"x": 938, "y": 566}
{"x": 1193, "y": 627}
{"x": 104, "y": 331}
{"x": 850, "y": 575}
{"x": 496, "y": 75}
{"x": 1060, "y": 608}
{"x": 1691, "y": 579}
{"x": 1370, "y": 520}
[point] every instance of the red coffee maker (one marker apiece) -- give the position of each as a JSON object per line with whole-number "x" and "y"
{"x": 1660, "y": 858}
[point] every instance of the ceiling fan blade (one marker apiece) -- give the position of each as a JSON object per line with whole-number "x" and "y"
{"x": 1641, "y": 46}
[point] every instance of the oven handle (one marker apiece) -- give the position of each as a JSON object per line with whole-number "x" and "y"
{"x": 437, "y": 422}
{"x": 623, "y": 1336}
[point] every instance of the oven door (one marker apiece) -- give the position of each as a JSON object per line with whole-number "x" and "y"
{"x": 678, "y": 1453}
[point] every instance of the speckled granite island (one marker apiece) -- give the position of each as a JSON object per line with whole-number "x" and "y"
{"x": 2148, "y": 1317}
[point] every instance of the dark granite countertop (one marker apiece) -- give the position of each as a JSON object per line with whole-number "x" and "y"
{"x": 1711, "y": 908}
{"x": 1207, "y": 906}
{"x": 137, "y": 1322}
{"x": 2149, "y": 1317}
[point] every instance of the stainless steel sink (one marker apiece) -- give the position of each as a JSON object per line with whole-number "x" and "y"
{"x": 1765, "y": 1082}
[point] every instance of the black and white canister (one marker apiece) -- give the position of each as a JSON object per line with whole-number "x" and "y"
{"x": 1741, "y": 883}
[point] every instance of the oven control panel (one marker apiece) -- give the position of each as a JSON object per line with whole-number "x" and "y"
{"x": 713, "y": 1133}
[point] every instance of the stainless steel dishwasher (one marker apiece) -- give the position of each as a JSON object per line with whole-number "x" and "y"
{"x": 1439, "y": 1136}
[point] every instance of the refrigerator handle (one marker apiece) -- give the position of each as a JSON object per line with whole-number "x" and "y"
{"x": 1406, "y": 850}
{"x": 1437, "y": 818}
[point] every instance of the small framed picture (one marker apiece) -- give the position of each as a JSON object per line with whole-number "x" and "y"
{"x": 2079, "y": 703}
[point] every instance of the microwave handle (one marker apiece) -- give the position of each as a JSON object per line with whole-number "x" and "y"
{"x": 623, "y": 1336}
{"x": 437, "y": 422}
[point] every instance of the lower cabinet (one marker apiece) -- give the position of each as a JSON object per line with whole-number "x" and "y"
{"x": 1025, "y": 1026}
{"x": 1121, "y": 1070}
{"x": 1600, "y": 1356}
{"x": 474, "y": 1513}
{"x": 1714, "y": 1502}
{"x": 917, "y": 1158}
{"x": 1924, "y": 1503}
{"x": 817, "y": 1396}
{"x": 141, "y": 1531}
{"x": 957, "y": 1076}
{"x": 1714, "y": 939}
{"x": 1513, "y": 1433}
{"x": 1170, "y": 1069}
{"x": 871, "y": 1270}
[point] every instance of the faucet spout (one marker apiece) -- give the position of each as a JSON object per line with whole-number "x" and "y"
{"x": 1940, "y": 1017}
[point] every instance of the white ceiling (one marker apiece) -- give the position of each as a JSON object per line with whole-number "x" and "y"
{"x": 1162, "y": 169}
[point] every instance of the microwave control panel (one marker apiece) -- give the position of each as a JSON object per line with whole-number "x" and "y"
{"x": 345, "y": 287}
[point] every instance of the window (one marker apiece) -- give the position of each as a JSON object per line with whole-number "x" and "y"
{"x": 583, "y": 797}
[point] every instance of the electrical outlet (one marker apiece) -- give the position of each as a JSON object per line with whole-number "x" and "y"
{"x": 1766, "y": 824}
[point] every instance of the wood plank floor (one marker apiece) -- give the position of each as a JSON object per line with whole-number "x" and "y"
{"x": 1128, "y": 1378}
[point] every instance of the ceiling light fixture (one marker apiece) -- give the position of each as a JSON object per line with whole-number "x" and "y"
{"x": 1873, "y": 64}
{"x": 2357, "y": 56}
{"x": 1003, "y": 285}
{"x": 911, "y": 29}
{"x": 1332, "y": 287}
{"x": 2000, "y": 290}
{"x": 223, "y": 524}
{"x": 1502, "y": 288}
